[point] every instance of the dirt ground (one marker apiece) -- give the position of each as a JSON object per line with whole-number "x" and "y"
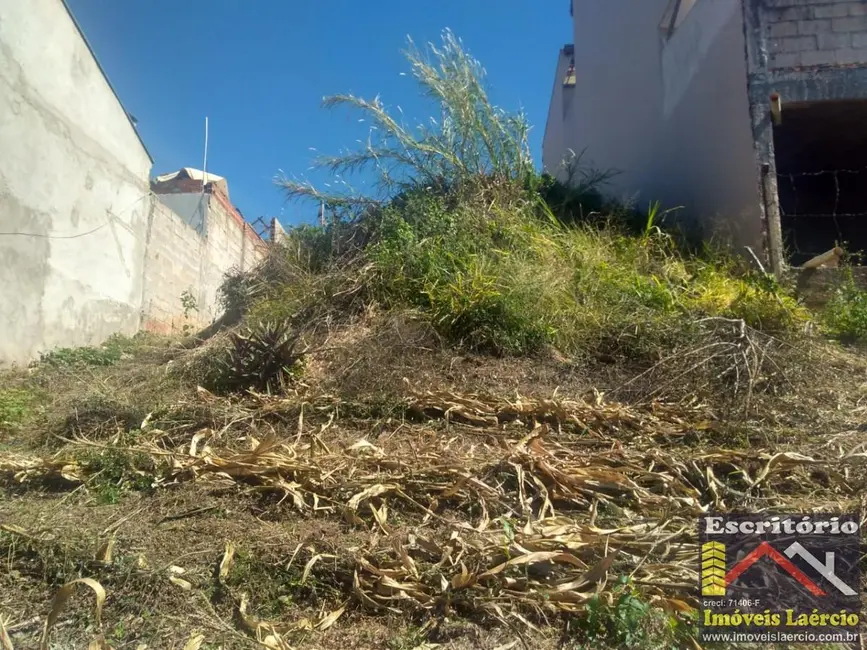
{"x": 398, "y": 497}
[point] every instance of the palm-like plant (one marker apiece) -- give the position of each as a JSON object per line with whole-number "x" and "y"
{"x": 472, "y": 138}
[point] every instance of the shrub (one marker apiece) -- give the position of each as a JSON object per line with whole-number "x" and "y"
{"x": 845, "y": 315}
{"x": 263, "y": 357}
{"x": 472, "y": 140}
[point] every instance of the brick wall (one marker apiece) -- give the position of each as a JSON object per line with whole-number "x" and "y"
{"x": 179, "y": 259}
{"x": 806, "y": 33}
{"x": 172, "y": 266}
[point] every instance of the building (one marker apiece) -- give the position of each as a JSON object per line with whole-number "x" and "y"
{"x": 748, "y": 115}
{"x": 86, "y": 250}
{"x": 197, "y": 236}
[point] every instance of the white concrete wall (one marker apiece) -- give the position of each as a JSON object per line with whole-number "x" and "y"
{"x": 617, "y": 109}
{"x": 707, "y": 117}
{"x": 671, "y": 116}
{"x": 86, "y": 250}
{"x": 554, "y": 145}
{"x": 73, "y": 190}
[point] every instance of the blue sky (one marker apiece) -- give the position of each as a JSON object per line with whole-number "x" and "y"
{"x": 259, "y": 69}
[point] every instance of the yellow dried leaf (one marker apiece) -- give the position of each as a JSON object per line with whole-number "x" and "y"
{"x": 59, "y": 604}
{"x": 205, "y": 395}
{"x": 5, "y": 641}
{"x": 381, "y": 515}
{"x": 676, "y": 605}
{"x": 309, "y": 566}
{"x": 463, "y": 579}
{"x": 195, "y": 642}
{"x": 372, "y": 491}
{"x": 535, "y": 558}
{"x": 330, "y": 619}
{"x": 98, "y": 644}
{"x": 351, "y": 518}
{"x": 226, "y": 561}
{"x": 365, "y": 446}
{"x": 105, "y": 551}
{"x": 180, "y": 582}
{"x": 194, "y": 442}
{"x": 16, "y": 530}
{"x": 407, "y": 562}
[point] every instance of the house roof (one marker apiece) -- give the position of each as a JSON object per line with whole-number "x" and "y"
{"x": 107, "y": 80}
{"x": 189, "y": 172}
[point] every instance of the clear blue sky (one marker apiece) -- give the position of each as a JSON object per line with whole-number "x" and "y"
{"x": 259, "y": 69}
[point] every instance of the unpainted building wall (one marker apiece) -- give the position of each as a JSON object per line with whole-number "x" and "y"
{"x": 232, "y": 243}
{"x": 815, "y": 32}
{"x": 73, "y": 190}
{"x": 85, "y": 249}
{"x": 802, "y": 50}
{"x": 180, "y": 260}
{"x": 173, "y": 265}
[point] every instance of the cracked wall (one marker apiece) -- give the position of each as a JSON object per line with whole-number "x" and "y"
{"x": 86, "y": 251}
{"x": 73, "y": 190}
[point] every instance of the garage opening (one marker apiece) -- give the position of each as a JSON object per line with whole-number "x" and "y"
{"x": 821, "y": 156}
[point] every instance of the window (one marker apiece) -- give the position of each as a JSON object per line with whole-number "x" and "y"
{"x": 569, "y": 77}
{"x": 569, "y": 80}
{"x": 674, "y": 15}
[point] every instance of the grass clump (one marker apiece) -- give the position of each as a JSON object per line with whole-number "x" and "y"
{"x": 845, "y": 315}
{"x": 17, "y": 405}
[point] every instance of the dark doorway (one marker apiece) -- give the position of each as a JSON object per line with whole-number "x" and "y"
{"x": 821, "y": 156}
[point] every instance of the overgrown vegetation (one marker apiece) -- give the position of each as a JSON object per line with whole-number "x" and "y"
{"x": 500, "y": 482}
{"x": 501, "y": 260}
{"x": 624, "y": 619}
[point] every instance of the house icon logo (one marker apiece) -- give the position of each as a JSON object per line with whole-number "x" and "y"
{"x": 779, "y": 578}
{"x": 715, "y": 578}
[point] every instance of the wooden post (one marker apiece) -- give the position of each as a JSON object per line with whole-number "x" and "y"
{"x": 772, "y": 216}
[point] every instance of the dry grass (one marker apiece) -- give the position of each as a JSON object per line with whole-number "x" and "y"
{"x": 319, "y": 519}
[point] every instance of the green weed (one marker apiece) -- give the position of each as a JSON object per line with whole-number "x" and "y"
{"x": 115, "y": 472}
{"x": 189, "y": 303}
{"x": 107, "y": 354}
{"x": 845, "y": 315}
{"x": 627, "y": 621}
{"x": 274, "y": 586}
{"x": 498, "y": 258}
{"x": 16, "y": 406}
